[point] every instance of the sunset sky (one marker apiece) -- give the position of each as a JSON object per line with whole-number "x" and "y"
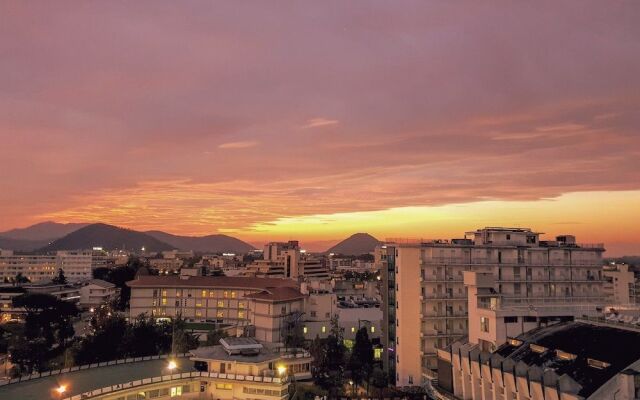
{"x": 315, "y": 120}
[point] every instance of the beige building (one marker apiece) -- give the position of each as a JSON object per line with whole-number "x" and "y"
{"x": 566, "y": 361}
{"x": 287, "y": 260}
{"x": 430, "y": 299}
{"x": 265, "y": 306}
{"x": 96, "y": 293}
{"x": 621, "y": 286}
{"x": 38, "y": 268}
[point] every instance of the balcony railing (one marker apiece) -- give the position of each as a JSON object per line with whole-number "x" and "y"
{"x": 175, "y": 377}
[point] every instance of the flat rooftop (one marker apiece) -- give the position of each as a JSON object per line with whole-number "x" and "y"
{"x": 89, "y": 379}
{"x": 616, "y": 347}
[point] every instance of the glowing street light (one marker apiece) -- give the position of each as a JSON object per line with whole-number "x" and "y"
{"x": 172, "y": 365}
{"x": 282, "y": 370}
{"x": 60, "y": 390}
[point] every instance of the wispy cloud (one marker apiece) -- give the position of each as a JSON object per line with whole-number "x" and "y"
{"x": 318, "y": 122}
{"x": 239, "y": 145}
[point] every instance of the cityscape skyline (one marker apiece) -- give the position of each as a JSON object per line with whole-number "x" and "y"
{"x": 311, "y": 122}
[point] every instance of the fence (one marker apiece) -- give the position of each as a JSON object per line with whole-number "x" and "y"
{"x": 45, "y": 374}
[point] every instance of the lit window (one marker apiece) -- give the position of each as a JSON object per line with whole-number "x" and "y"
{"x": 198, "y": 313}
{"x": 240, "y": 314}
{"x": 373, "y": 329}
{"x": 324, "y": 329}
{"x": 204, "y": 293}
{"x": 164, "y": 301}
{"x": 224, "y": 386}
{"x": 199, "y": 304}
{"x": 377, "y": 353}
{"x": 176, "y": 391}
{"x": 353, "y": 329}
{"x": 220, "y": 314}
{"x": 241, "y": 304}
{"x": 484, "y": 324}
{"x": 220, "y": 303}
{"x": 225, "y": 294}
{"x": 164, "y": 292}
{"x": 233, "y": 295}
{"x": 305, "y": 330}
{"x": 212, "y": 294}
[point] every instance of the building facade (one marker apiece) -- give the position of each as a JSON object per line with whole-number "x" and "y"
{"x": 431, "y": 306}
{"x": 268, "y": 306}
{"x": 75, "y": 264}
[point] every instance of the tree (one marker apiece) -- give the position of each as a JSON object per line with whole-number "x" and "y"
{"x": 47, "y": 317}
{"x": 29, "y": 356}
{"x": 60, "y": 279}
{"x": 361, "y": 360}
{"x": 329, "y": 359}
{"x": 213, "y": 337}
{"x": 379, "y": 380}
{"x": 20, "y": 279}
{"x": 182, "y": 340}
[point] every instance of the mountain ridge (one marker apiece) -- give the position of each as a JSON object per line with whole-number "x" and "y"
{"x": 355, "y": 245}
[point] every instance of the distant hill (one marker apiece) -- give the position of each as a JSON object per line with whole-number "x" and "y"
{"x": 42, "y": 232}
{"x": 360, "y": 243}
{"x": 21, "y": 244}
{"x": 108, "y": 237}
{"x": 211, "y": 243}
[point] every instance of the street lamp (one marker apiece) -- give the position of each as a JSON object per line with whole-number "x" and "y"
{"x": 172, "y": 365}
{"x": 282, "y": 370}
{"x": 60, "y": 390}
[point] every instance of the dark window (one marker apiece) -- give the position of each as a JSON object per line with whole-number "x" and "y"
{"x": 510, "y": 320}
{"x": 530, "y": 319}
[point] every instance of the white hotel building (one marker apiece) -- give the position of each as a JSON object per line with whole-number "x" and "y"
{"x": 527, "y": 283}
{"x": 75, "y": 264}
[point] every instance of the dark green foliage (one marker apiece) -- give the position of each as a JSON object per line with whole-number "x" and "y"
{"x": 60, "y": 279}
{"x": 361, "y": 361}
{"x": 329, "y": 360}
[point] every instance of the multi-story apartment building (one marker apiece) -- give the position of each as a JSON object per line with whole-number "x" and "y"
{"x": 287, "y": 260}
{"x": 531, "y": 278}
{"x": 265, "y": 306}
{"x": 622, "y": 285}
{"x": 33, "y": 267}
{"x": 76, "y": 264}
{"x": 96, "y": 293}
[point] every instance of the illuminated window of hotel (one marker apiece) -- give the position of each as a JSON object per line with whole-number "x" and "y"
{"x": 225, "y": 294}
{"x": 224, "y": 386}
{"x": 233, "y": 295}
{"x": 220, "y": 303}
{"x": 198, "y": 313}
{"x": 164, "y": 301}
{"x": 164, "y": 292}
{"x": 240, "y": 314}
{"x": 176, "y": 391}
{"x": 241, "y": 304}
{"x": 220, "y": 314}
{"x": 212, "y": 294}
{"x": 204, "y": 293}
{"x": 373, "y": 329}
{"x": 199, "y": 304}
{"x": 484, "y": 324}
{"x": 353, "y": 329}
{"x": 324, "y": 329}
{"x": 305, "y": 330}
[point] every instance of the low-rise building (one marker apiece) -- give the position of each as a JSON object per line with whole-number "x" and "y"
{"x": 96, "y": 293}
{"x": 621, "y": 284}
{"x": 566, "y": 361}
{"x": 266, "y": 307}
